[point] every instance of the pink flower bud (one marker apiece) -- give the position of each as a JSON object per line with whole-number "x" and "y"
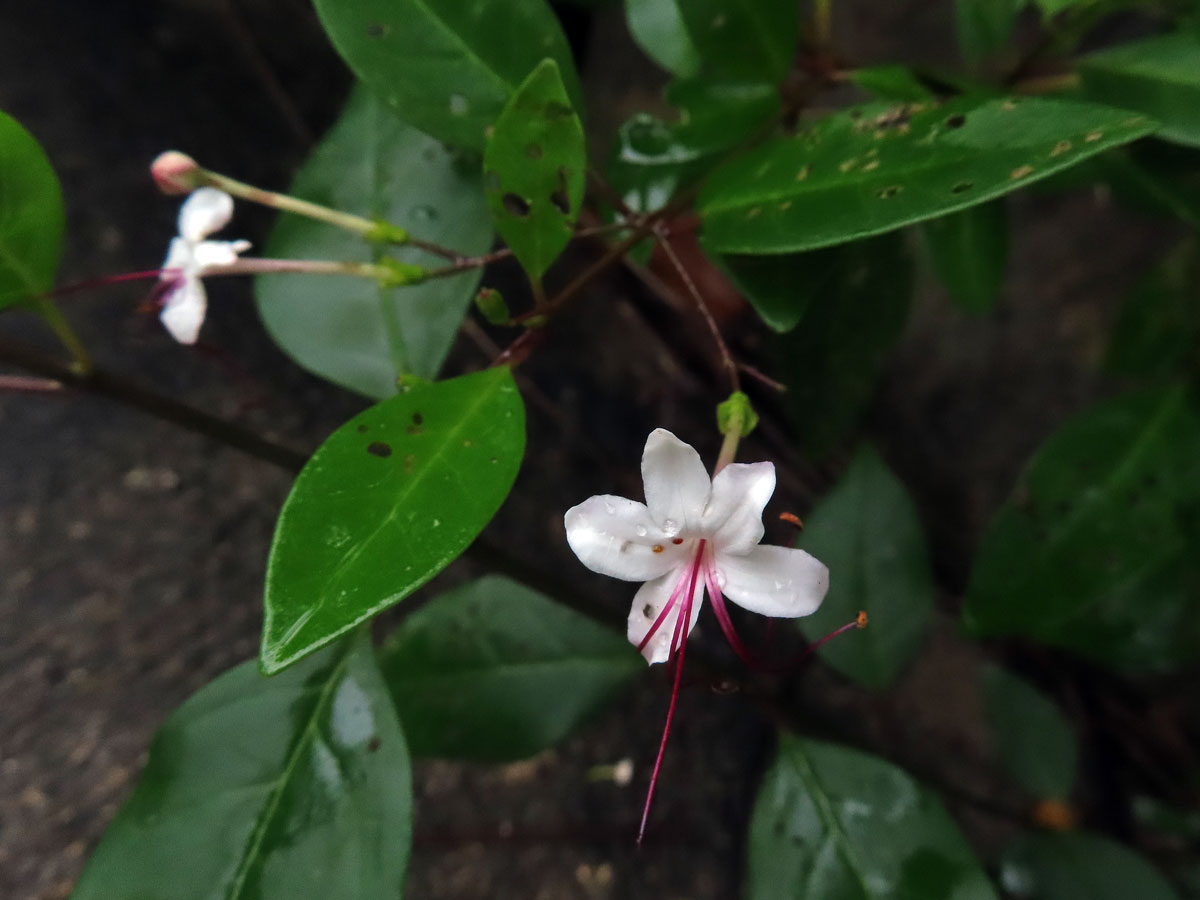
{"x": 175, "y": 173}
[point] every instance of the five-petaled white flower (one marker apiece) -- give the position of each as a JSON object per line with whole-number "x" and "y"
{"x": 693, "y": 535}
{"x": 190, "y": 257}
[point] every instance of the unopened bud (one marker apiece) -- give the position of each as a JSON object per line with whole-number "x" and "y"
{"x": 736, "y": 414}
{"x": 490, "y": 302}
{"x": 398, "y": 274}
{"x": 176, "y": 173}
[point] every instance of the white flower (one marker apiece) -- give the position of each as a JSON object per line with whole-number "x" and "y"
{"x": 693, "y": 535}
{"x": 190, "y": 257}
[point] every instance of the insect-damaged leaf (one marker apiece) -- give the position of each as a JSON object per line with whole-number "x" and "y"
{"x": 387, "y": 502}
{"x": 534, "y": 166}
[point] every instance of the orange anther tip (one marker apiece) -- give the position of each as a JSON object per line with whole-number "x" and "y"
{"x": 658, "y": 548}
{"x": 1054, "y": 815}
{"x": 791, "y": 519}
{"x": 861, "y": 620}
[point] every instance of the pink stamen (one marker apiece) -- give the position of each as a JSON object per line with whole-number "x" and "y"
{"x": 678, "y": 642}
{"x": 104, "y": 281}
{"x": 726, "y": 623}
{"x": 662, "y": 616}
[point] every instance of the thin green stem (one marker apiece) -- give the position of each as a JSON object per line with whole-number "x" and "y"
{"x": 81, "y": 359}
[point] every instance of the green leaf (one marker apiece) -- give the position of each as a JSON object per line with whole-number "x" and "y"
{"x": 1079, "y": 867}
{"x": 480, "y": 672}
{"x": 856, "y": 314}
{"x": 750, "y": 40}
{"x": 1050, "y": 8}
{"x": 890, "y": 83}
{"x": 1033, "y": 740}
{"x": 1158, "y": 76}
{"x": 1096, "y": 550}
{"x": 387, "y": 502}
{"x": 351, "y": 330}
{"x": 31, "y": 216}
{"x": 658, "y": 28}
{"x": 1158, "y": 330}
{"x": 446, "y": 66}
{"x": 984, "y": 26}
{"x": 832, "y": 823}
{"x": 715, "y": 116}
{"x": 781, "y": 288}
{"x": 534, "y": 168}
{"x": 969, "y": 250}
{"x": 868, "y": 533}
{"x": 875, "y": 168}
{"x": 259, "y": 788}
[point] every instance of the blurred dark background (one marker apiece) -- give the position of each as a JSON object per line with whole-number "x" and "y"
{"x": 132, "y": 552}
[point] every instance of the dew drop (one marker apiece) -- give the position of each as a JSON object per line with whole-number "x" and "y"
{"x": 641, "y": 530}
{"x": 459, "y": 105}
{"x": 609, "y": 508}
{"x": 719, "y": 577}
{"x": 670, "y": 526}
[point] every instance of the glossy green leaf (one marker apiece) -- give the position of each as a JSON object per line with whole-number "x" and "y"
{"x": 781, "y": 288}
{"x": 1079, "y": 867}
{"x": 1157, "y": 333}
{"x": 496, "y": 671}
{"x": 31, "y": 216}
{"x": 1096, "y": 550}
{"x": 1158, "y": 76}
{"x": 867, "y": 532}
{"x": 658, "y": 28}
{"x": 984, "y": 26}
{"x": 747, "y": 40}
{"x": 534, "y": 167}
{"x": 1033, "y": 741}
{"x": 715, "y": 116}
{"x": 855, "y": 315}
{"x": 878, "y": 167}
{"x": 257, "y": 788}
{"x": 969, "y": 250}
{"x": 832, "y": 823}
{"x": 890, "y": 83}
{"x": 447, "y": 66}
{"x": 351, "y": 330}
{"x": 387, "y": 502}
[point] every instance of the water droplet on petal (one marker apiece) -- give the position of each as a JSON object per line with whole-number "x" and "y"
{"x": 671, "y": 527}
{"x": 778, "y": 585}
{"x": 641, "y": 530}
{"x": 609, "y": 508}
{"x": 719, "y": 577}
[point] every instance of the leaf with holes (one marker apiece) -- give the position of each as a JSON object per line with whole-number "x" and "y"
{"x": 1096, "y": 550}
{"x": 446, "y": 66}
{"x": 387, "y": 502}
{"x": 1158, "y": 76}
{"x": 831, "y": 823}
{"x": 969, "y": 250}
{"x": 479, "y": 672}
{"x": 351, "y": 330}
{"x": 534, "y": 167}
{"x": 867, "y": 531}
{"x": 1080, "y": 867}
{"x": 857, "y": 299}
{"x": 877, "y": 167}
{"x": 658, "y": 28}
{"x": 1033, "y": 741}
{"x": 262, "y": 788}
{"x": 31, "y": 216}
{"x": 1158, "y": 329}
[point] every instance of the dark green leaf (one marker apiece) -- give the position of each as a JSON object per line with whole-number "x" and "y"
{"x": 1158, "y": 76}
{"x": 658, "y": 28}
{"x": 1079, "y": 867}
{"x": 832, "y": 823}
{"x": 781, "y": 288}
{"x": 1096, "y": 550}
{"x": 447, "y": 66}
{"x": 495, "y": 671}
{"x": 890, "y": 83}
{"x": 351, "y": 330}
{"x": 260, "y": 788}
{"x": 857, "y": 313}
{"x": 1033, "y": 740}
{"x": 387, "y": 502}
{"x": 1050, "y": 8}
{"x": 31, "y": 216}
{"x": 715, "y": 115}
{"x": 984, "y": 26}
{"x": 878, "y": 167}
{"x": 750, "y": 40}
{"x": 867, "y": 532}
{"x": 970, "y": 252}
{"x": 1158, "y": 331}
{"x": 534, "y": 168}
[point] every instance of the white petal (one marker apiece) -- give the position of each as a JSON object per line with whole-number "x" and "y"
{"x": 204, "y": 211}
{"x": 734, "y": 514}
{"x": 179, "y": 256}
{"x": 184, "y": 312}
{"x": 617, "y": 537}
{"x": 774, "y": 581}
{"x": 209, "y": 254}
{"x": 677, "y": 484}
{"x": 649, "y": 602}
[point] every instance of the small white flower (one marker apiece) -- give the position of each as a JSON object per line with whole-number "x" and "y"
{"x": 190, "y": 257}
{"x": 693, "y": 534}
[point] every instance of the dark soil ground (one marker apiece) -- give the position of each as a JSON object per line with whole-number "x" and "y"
{"x": 132, "y": 552}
